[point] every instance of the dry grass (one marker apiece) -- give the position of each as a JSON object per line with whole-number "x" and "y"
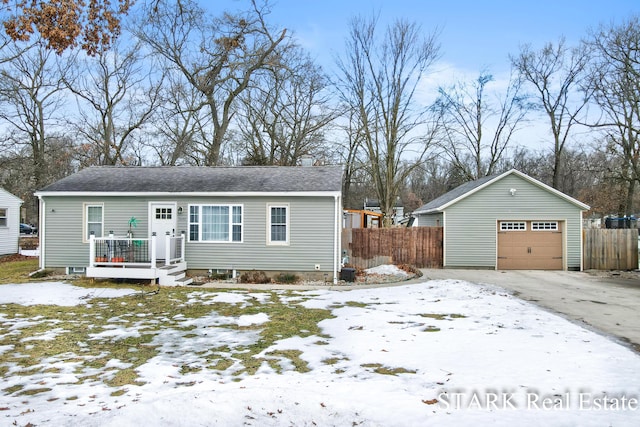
{"x": 75, "y": 340}
{"x": 16, "y": 270}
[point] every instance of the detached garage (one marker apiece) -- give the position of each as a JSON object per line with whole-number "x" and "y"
{"x": 507, "y": 222}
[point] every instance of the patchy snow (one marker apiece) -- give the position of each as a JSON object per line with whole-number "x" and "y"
{"x": 55, "y": 293}
{"x": 442, "y": 353}
{"x": 252, "y": 319}
{"x": 386, "y": 269}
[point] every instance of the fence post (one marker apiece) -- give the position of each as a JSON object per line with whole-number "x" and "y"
{"x": 92, "y": 250}
{"x": 183, "y": 245}
{"x": 167, "y": 248}
{"x": 153, "y": 250}
{"x": 111, "y": 246}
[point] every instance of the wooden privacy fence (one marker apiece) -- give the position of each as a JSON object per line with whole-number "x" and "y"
{"x": 610, "y": 249}
{"x": 370, "y": 247}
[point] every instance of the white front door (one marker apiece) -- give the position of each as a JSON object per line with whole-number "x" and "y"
{"x": 163, "y": 220}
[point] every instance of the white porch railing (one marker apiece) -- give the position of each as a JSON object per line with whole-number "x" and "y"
{"x": 114, "y": 251}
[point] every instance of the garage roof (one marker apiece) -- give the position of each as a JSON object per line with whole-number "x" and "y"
{"x": 467, "y": 189}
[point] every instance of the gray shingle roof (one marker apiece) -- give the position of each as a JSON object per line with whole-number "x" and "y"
{"x": 439, "y": 202}
{"x": 196, "y": 179}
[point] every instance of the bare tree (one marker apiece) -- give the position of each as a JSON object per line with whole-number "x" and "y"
{"x": 602, "y": 189}
{"x": 378, "y": 82}
{"x": 351, "y": 153}
{"x": 614, "y": 78}
{"x": 556, "y": 73}
{"x": 477, "y": 130}
{"x": 286, "y": 112}
{"x": 431, "y": 180}
{"x": 181, "y": 126}
{"x": 118, "y": 92}
{"x": 17, "y": 170}
{"x": 31, "y": 102}
{"x": 217, "y": 56}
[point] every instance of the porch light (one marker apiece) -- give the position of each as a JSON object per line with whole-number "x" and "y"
{"x": 179, "y": 210}
{"x": 513, "y": 191}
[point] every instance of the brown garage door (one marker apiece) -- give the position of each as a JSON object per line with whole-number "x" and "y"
{"x": 529, "y": 245}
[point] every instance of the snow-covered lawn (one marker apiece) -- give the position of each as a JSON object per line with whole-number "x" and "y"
{"x": 435, "y": 353}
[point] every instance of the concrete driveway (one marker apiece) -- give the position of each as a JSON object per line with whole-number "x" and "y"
{"x": 602, "y": 301}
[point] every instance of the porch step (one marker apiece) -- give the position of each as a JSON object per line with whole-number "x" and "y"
{"x": 173, "y": 275}
{"x": 167, "y": 275}
{"x": 184, "y": 281}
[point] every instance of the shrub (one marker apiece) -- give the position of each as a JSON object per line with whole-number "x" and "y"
{"x": 288, "y": 278}
{"x": 256, "y": 277}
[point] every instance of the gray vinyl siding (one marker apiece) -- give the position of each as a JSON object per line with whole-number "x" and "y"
{"x": 10, "y": 233}
{"x": 311, "y": 238}
{"x": 312, "y": 225}
{"x": 470, "y": 224}
{"x": 429, "y": 220}
{"x": 63, "y": 226}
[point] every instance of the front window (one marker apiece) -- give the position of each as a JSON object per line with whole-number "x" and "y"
{"x": 3, "y": 217}
{"x": 94, "y": 220}
{"x": 278, "y": 225}
{"x": 215, "y": 223}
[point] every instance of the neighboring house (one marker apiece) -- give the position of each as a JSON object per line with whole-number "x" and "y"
{"x": 9, "y": 222}
{"x": 272, "y": 219}
{"x": 373, "y": 205}
{"x": 507, "y": 221}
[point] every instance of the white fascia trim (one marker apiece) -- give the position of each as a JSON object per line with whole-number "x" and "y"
{"x": 189, "y": 194}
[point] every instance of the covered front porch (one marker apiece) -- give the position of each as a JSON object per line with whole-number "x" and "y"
{"x": 158, "y": 258}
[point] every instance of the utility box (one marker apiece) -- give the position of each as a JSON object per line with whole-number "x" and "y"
{"x": 348, "y": 274}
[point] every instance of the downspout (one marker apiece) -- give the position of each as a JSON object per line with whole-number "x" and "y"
{"x": 336, "y": 238}
{"x": 581, "y": 219}
{"x": 444, "y": 239}
{"x": 41, "y": 230}
{"x": 41, "y": 217}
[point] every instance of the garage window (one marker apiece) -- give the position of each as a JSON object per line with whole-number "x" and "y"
{"x": 513, "y": 226}
{"x": 545, "y": 226}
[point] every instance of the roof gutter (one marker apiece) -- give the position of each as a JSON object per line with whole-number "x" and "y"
{"x": 434, "y": 210}
{"x": 190, "y": 193}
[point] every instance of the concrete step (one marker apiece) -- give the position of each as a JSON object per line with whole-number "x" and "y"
{"x": 184, "y": 281}
{"x": 173, "y": 275}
